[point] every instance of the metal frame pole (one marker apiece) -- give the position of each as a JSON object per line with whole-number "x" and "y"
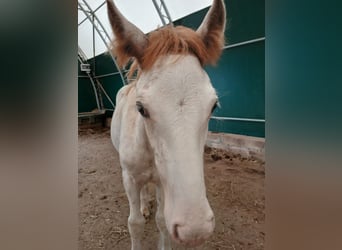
{"x": 166, "y": 11}
{"x": 161, "y": 15}
{"x": 244, "y": 43}
{"x": 100, "y": 33}
{"x": 85, "y": 19}
{"x": 236, "y": 119}
{"x": 80, "y": 59}
{"x": 105, "y": 75}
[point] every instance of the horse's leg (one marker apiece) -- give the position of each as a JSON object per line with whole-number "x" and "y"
{"x": 144, "y": 202}
{"x": 136, "y": 220}
{"x": 164, "y": 239}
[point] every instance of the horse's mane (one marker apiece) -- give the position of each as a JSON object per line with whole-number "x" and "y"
{"x": 174, "y": 40}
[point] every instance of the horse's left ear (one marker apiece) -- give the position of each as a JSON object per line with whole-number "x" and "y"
{"x": 130, "y": 41}
{"x": 212, "y": 30}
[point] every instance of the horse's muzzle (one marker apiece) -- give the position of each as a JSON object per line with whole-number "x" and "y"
{"x": 192, "y": 234}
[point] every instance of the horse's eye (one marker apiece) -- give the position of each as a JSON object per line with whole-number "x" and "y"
{"x": 142, "y": 110}
{"x": 214, "y": 107}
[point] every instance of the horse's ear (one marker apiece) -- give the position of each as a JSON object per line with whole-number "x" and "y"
{"x": 130, "y": 41}
{"x": 212, "y": 29}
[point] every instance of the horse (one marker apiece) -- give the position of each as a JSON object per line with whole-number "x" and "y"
{"x": 160, "y": 123}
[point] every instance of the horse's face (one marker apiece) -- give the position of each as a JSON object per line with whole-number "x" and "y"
{"x": 175, "y": 100}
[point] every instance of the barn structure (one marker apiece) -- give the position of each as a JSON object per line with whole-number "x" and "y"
{"x": 239, "y": 76}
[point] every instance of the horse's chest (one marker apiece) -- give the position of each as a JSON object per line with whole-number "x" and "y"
{"x": 137, "y": 161}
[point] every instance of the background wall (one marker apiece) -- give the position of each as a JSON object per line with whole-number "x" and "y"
{"x": 238, "y": 77}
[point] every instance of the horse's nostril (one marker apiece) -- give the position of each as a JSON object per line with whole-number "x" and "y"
{"x": 175, "y": 231}
{"x": 212, "y": 218}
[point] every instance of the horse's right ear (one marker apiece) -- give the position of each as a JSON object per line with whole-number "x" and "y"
{"x": 212, "y": 30}
{"x": 130, "y": 41}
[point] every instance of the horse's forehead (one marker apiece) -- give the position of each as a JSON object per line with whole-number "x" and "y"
{"x": 176, "y": 73}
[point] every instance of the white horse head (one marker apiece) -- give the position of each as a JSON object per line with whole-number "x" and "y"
{"x": 175, "y": 99}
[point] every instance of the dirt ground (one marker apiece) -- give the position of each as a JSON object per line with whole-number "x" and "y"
{"x": 235, "y": 190}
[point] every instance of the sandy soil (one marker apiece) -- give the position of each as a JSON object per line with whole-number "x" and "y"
{"x": 235, "y": 189}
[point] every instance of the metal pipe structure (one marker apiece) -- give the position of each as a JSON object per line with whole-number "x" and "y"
{"x": 105, "y": 75}
{"x": 85, "y": 19}
{"x": 105, "y": 93}
{"x": 159, "y": 11}
{"x": 91, "y": 12}
{"x": 237, "y": 119}
{"x": 166, "y": 11}
{"x": 100, "y": 33}
{"x": 80, "y": 59}
{"x": 244, "y": 43}
{"x": 99, "y": 7}
{"x": 86, "y": 10}
{"x": 94, "y": 61}
{"x": 83, "y": 58}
